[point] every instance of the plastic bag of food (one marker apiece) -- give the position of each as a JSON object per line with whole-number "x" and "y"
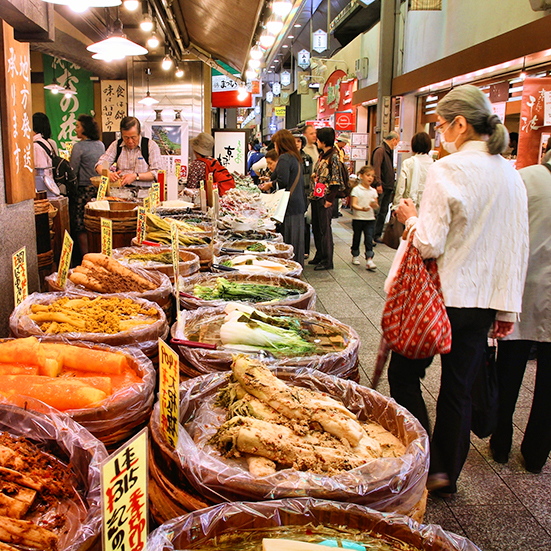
{"x": 287, "y": 518}
{"x": 260, "y": 248}
{"x": 212, "y": 290}
{"x": 335, "y": 352}
{"x": 251, "y": 235}
{"x": 143, "y": 322}
{"x": 252, "y": 264}
{"x": 58, "y": 435}
{"x": 204, "y": 252}
{"x": 394, "y": 484}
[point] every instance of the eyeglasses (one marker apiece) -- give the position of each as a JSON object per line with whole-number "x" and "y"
{"x": 438, "y": 128}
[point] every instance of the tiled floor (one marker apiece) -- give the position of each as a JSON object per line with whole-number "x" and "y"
{"x": 498, "y": 507}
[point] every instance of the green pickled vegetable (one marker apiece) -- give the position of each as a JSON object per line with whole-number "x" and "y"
{"x": 249, "y": 292}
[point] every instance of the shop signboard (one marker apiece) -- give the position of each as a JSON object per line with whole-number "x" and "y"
{"x": 319, "y": 41}
{"x": 62, "y": 111}
{"x": 499, "y": 109}
{"x": 358, "y": 153}
{"x": 532, "y": 120}
{"x": 269, "y": 97}
{"x": 303, "y": 59}
{"x": 337, "y": 94}
{"x": 321, "y": 123}
{"x": 16, "y": 114}
{"x": 230, "y": 149}
{"x": 225, "y": 89}
{"x": 359, "y": 138}
{"x": 345, "y": 122}
{"x": 280, "y": 111}
{"x": 276, "y": 88}
{"x": 113, "y": 104}
{"x": 285, "y": 78}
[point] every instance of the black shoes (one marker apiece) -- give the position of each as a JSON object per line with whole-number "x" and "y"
{"x": 314, "y": 261}
{"x": 321, "y": 266}
{"x": 499, "y": 457}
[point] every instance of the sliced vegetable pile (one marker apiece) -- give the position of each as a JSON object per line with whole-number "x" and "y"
{"x": 158, "y": 230}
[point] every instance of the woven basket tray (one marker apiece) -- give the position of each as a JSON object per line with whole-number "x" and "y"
{"x": 282, "y": 250}
{"x": 294, "y": 269}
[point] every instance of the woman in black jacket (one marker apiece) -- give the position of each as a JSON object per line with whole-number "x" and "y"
{"x": 288, "y": 175}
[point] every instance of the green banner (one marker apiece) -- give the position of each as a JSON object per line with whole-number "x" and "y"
{"x": 62, "y": 111}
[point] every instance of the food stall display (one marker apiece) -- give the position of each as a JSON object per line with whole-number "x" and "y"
{"x": 259, "y": 248}
{"x": 254, "y": 264}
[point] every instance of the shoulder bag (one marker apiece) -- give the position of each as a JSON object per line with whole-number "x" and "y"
{"x": 283, "y": 200}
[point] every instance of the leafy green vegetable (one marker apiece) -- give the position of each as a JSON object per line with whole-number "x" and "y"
{"x": 250, "y": 292}
{"x": 258, "y": 247}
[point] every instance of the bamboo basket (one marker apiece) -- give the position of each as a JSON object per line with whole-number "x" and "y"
{"x": 252, "y": 235}
{"x": 294, "y": 269}
{"x": 340, "y": 342}
{"x": 281, "y": 250}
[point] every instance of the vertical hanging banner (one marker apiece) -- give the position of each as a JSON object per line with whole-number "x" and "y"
{"x": 16, "y": 113}
{"x": 532, "y": 120}
{"x": 65, "y": 260}
{"x": 113, "y": 104}
{"x": 140, "y": 232}
{"x": 62, "y": 111}
{"x": 169, "y": 392}
{"x": 124, "y": 496}
{"x": 20, "y": 281}
{"x": 106, "y": 236}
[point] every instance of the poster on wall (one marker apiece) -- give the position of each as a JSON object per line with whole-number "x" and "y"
{"x": 113, "y": 104}
{"x": 532, "y": 120}
{"x": 230, "y": 148}
{"x": 62, "y": 111}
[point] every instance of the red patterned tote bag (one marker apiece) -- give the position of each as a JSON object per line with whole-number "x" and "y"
{"x": 415, "y": 322}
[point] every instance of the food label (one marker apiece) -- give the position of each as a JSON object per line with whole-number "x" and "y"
{"x": 169, "y": 379}
{"x": 65, "y": 260}
{"x": 140, "y": 232}
{"x": 156, "y": 194}
{"x": 178, "y": 168}
{"x": 20, "y": 281}
{"x": 147, "y": 204}
{"x": 106, "y": 236}
{"x": 124, "y": 494}
{"x": 102, "y": 189}
{"x": 175, "y": 240}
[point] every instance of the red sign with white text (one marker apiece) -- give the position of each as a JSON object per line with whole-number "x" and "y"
{"x": 337, "y": 95}
{"x": 320, "y": 123}
{"x": 345, "y": 122}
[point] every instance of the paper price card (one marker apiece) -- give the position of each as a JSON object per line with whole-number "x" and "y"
{"x": 20, "y": 281}
{"x": 102, "y": 189}
{"x": 124, "y": 496}
{"x": 161, "y": 178}
{"x": 156, "y": 193}
{"x": 65, "y": 260}
{"x": 147, "y": 204}
{"x": 175, "y": 240}
{"x": 106, "y": 236}
{"x": 140, "y": 232}
{"x": 169, "y": 392}
{"x": 178, "y": 168}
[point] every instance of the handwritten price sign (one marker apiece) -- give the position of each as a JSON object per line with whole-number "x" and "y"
{"x": 102, "y": 189}
{"x": 169, "y": 375}
{"x": 20, "y": 281}
{"x": 65, "y": 260}
{"x": 106, "y": 236}
{"x": 140, "y": 233}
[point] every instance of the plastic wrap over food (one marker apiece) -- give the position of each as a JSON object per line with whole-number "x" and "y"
{"x": 145, "y": 336}
{"x": 339, "y": 357}
{"x": 251, "y": 235}
{"x": 197, "y": 529}
{"x": 250, "y": 263}
{"x": 204, "y": 252}
{"x": 159, "y": 295}
{"x": 260, "y": 248}
{"x": 393, "y": 484}
{"x": 302, "y": 295}
{"x": 58, "y": 435}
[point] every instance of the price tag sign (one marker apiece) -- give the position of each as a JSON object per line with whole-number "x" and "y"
{"x": 124, "y": 496}
{"x": 147, "y": 204}
{"x": 106, "y": 236}
{"x": 65, "y": 260}
{"x": 161, "y": 178}
{"x": 156, "y": 194}
{"x": 102, "y": 190}
{"x": 169, "y": 392}
{"x": 216, "y": 206}
{"x": 178, "y": 166}
{"x": 20, "y": 281}
{"x": 140, "y": 232}
{"x": 175, "y": 240}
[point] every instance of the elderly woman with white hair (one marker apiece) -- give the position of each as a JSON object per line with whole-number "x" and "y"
{"x": 474, "y": 220}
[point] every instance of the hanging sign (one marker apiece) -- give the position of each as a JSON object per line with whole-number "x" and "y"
{"x": 319, "y": 41}
{"x": 269, "y": 97}
{"x": 276, "y": 88}
{"x": 140, "y": 232}
{"x": 106, "y": 236}
{"x": 169, "y": 392}
{"x": 303, "y": 59}
{"x": 124, "y": 496}
{"x": 280, "y": 111}
{"x": 337, "y": 95}
{"x": 113, "y": 104}
{"x": 65, "y": 260}
{"x": 499, "y": 110}
{"x": 20, "y": 281}
{"x": 285, "y": 78}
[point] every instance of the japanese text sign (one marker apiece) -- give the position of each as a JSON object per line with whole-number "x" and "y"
{"x": 106, "y": 236}
{"x": 147, "y": 204}
{"x": 140, "y": 232}
{"x": 65, "y": 260}
{"x": 169, "y": 392}
{"x": 124, "y": 496}
{"x": 230, "y": 150}
{"x": 113, "y": 104}
{"x": 175, "y": 242}
{"x": 156, "y": 193}
{"x": 20, "y": 281}
{"x": 16, "y": 112}
{"x": 102, "y": 188}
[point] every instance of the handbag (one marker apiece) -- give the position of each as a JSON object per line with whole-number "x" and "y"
{"x": 415, "y": 322}
{"x": 393, "y": 232}
{"x": 484, "y": 394}
{"x": 283, "y": 201}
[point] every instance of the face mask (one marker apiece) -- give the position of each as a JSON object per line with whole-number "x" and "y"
{"x": 450, "y": 147}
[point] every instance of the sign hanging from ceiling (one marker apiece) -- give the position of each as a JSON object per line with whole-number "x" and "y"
{"x": 276, "y": 88}
{"x": 269, "y": 97}
{"x": 285, "y": 78}
{"x": 319, "y": 41}
{"x": 337, "y": 94}
{"x": 225, "y": 90}
{"x": 303, "y": 59}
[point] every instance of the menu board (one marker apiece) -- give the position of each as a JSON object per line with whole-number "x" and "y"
{"x": 16, "y": 113}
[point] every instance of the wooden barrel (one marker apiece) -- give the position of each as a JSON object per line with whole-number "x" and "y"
{"x": 124, "y": 216}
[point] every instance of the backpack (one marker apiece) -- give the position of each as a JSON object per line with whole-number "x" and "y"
{"x": 144, "y": 148}
{"x": 220, "y": 174}
{"x": 346, "y": 188}
{"x": 62, "y": 171}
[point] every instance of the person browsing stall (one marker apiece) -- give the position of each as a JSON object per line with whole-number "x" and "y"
{"x": 136, "y": 159}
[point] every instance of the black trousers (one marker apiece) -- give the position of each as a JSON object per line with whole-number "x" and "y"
{"x": 384, "y": 203}
{"x": 511, "y": 365}
{"x": 451, "y": 436}
{"x": 323, "y": 234}
{"x": 365, "y": 228}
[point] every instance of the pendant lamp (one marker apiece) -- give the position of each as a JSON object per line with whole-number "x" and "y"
{"x": 148, "y": 100}
{"x": 117, "y": 42}
{"x": 80, "y": 6}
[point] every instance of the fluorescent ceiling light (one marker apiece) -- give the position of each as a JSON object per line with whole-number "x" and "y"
{"x": 297, "y": 25}
{"x": 284, "y": 46}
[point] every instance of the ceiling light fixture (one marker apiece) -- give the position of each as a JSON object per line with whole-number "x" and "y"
{"x": 117, "y": 42}
{"x": 147, "y": 23}
{"x": 285, "y": 46}
{"x": 131, "y": 5}
{"x": 297, "y": 25}
{"x": 290, "y": 36}
{"x": 179, "y": 72}
{"x": 267, "y": 40}
{"x": 242, "y": 93}
{"x": 250, "y": 74}
{"x": 68, "y": 91}
{"x": 166, "y": 64}
{"x": 282, "y": 7}
{"x": 153, "y": 41}
{"x": 148, "y": 100}
{"x": 108, "y": 56}
{"x": 80, "y": 6}
{"x": 254, "y": 63}
{"x": 274, "y": 25}
{"x": 256, "y": 53}
{"x": 55, "y": 87}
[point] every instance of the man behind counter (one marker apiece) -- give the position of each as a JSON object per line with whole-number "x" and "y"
{"x": 137, "y": 160}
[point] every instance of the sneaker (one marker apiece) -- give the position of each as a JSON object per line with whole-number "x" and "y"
{"x": 356, "y": 260}
{"x": 370, "y": 265}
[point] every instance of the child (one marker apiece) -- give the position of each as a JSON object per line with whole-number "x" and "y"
{"x": 363, "y": 199}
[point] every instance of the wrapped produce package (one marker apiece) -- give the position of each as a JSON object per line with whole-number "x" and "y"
{"x": 253, "y": 264}
{"x": 197, "y": 530}
{"x": 260, "y": 248}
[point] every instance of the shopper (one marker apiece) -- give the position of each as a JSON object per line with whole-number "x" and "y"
{"x": 307, "y": 169}
{"x": 84, "y": 156}
{"x": 254, "y": 156}
{"x": 135, "y": 158}
{"x": 326, "y": 181}
{"x": 482, "y": 256}
{"x": 342, "y": 141}
{"x": 288, "y": 175}
{"x": 363, "y": 199}
{"x": 42, "y": 133}
{"x": 413, "y": 174}
{"x": 311, "y": 146}
{"x": 534, "y": 328}
{"x": 270, "y": 159}
{"x": 385, "y": 178}
{"x": 205, "y": 164}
